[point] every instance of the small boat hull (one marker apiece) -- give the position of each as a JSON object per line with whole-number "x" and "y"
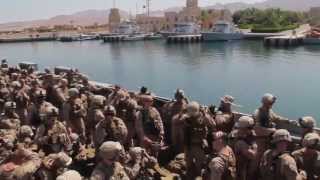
{"x": 215, "y": 36}
{"x": 311, "y": 41}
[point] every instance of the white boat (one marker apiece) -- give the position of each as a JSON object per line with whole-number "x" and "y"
{"x": 86, "y": 37}
{"x": 127, "y": 31}
{"x": 183, "y": 29}
{"x": 223, "y": 31}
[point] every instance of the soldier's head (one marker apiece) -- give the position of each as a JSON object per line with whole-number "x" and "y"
{"x": 226, "y": 102}
{"x": 311, "y": 140}
{"x": 64, "y": 83}
{"x": 25, "y": 131}
{"x": 218, "y": 140}
{"x": 193, "y": 109}
{"x": 63, "y": 160}
{"x": 51, "y": 115}
{"x": 307, "y": 123}
{"x": 268, "y": 100}
{"x": 40, "y": 95}
{"x": 245, "y": 124}
{"x": 179, "y": 95}
{"x": 70, "y": 174}
{"x": 281, "y": 139}
{"x": 136, "y": 153}
{"x": 16, "y": 85}
{"x": 144, "y": 90}
{"x": 73, "y": 93}
{"x": 98, "y": 101}
{"x": 109, "y": 111}
{"x": 109, "y": 152}
{"x": 10, "y": 107}
{"x": 146, "y": 100}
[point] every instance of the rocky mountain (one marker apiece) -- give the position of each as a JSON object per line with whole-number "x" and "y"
{"x": 88, "y": 17}
{"x": 294, "y": 5}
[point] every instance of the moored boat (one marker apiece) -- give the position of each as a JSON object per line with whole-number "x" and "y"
{"x": 183, "y": 29}
{"x": 223, "y": 31}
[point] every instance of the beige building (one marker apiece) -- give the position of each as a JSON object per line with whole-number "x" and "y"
{"x": 190, "y": 13}
{"x": 114, "y": 19}
{"x": 151, "y": 23}
{"x": 315, "y": 15}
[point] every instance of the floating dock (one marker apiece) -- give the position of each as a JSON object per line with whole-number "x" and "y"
{"x": 185, "y": 38}
{"x": 35, "y": 39}
{"x": 284, "y": 41}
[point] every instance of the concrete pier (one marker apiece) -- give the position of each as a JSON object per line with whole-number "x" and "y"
{"x": 284, "y": 41}
{"x": 185, "y": 38}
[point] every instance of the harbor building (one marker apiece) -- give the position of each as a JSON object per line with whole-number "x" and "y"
{"x": 151, "y": 23}
{"x": 315, "y": 15}
{"x": 114, "y": 19}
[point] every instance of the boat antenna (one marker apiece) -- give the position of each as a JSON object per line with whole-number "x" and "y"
{"x": 148, "y": 7}
{"x": 114, "y": 3}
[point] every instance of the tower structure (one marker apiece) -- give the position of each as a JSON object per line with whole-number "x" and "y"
{"x": 192, "y": 4}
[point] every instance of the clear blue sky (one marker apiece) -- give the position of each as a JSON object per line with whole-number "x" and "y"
{"x": 19, "y": 10}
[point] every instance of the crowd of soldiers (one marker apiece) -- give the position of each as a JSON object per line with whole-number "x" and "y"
{"x": 61, "y": 126}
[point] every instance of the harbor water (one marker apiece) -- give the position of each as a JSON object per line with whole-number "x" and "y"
{"x": 206, "y": 71}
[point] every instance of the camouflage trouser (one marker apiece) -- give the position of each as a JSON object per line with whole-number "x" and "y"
{"x": 195, "y": 158}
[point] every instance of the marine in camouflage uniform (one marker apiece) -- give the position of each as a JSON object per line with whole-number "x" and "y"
{"x": 111, "y": 128}
{"x": 308, "y": 157}
{"x": 52, "y": 136}
{"x": 307, "y": 124}
{"x": 74, "y": 114}
{"x": 21, "y": 165}
{"x": 149, "y": 126}
{"x": 277, "y": 163}
{"x": 224, "y": 118}
{"x": 53, "y": 165}
{"x": 266, "y": 121}
{"x": 25, "y": 138}
{"x": 139, "y": 163}
{"x": 37, "y": 109}
{"x": 109, "y": 167}
{"x": 20, "y": 96}
{"x": 197, "y": 124}
{"x": 95, "y": 114}
{"x": 9, "y": 120}
{"x": 246, "y": 149}
{"x": 222, "y": 163}
{"x": 172, "y": 113}
{"x": 4, "y": 94}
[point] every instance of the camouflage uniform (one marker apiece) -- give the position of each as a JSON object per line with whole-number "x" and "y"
{"x": 222, "y": 166}
{"x": 307, "y": 124}
{"x": 25, "y": 137}
{"x": 278, "y": 164}
{"x": 20, "y": 165}
{"x": 95, "y": 114}
{"x": 52, "y": 136}
{"x": 266, "y": 121}
{"x": 70, "y": 175}
{"x": 38, "y": 108}
{"x": 308, "y": 158}
{"x": 172, "y": 113}
{"x": 109, "y": 167}
{"x": 197, "y": 125}
{"x": 140, "y": 162}
{"x": 246, "y": 149}
{"x": 149, "y": 127}
{"x": 53, "y": 165}
{"x": 20, "y": 96}
{"x": 112, "y": 128}
{"x": 224, "y": 118}
{"x": 10, "y": 121}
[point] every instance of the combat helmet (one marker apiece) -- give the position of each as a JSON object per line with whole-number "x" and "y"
{"x": 193, "y": 108}
{"x": 281, "y": 135}
{"x": 307, "y": 122}
{"x": 73, "y": 92}
{"x": 10, "y": 105}
{"x": 110, "y": 110}
{"x": 245, "y": 122}
{"x": 51, "y": 111}
{"x": 25, "y": 131}
{"x": 310, "y": 140}
{"x": 179, "y": 94}
{"x": 110, "y": 150}
{"x": 98, "y": 100}
{"x": 268, "y": 98}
